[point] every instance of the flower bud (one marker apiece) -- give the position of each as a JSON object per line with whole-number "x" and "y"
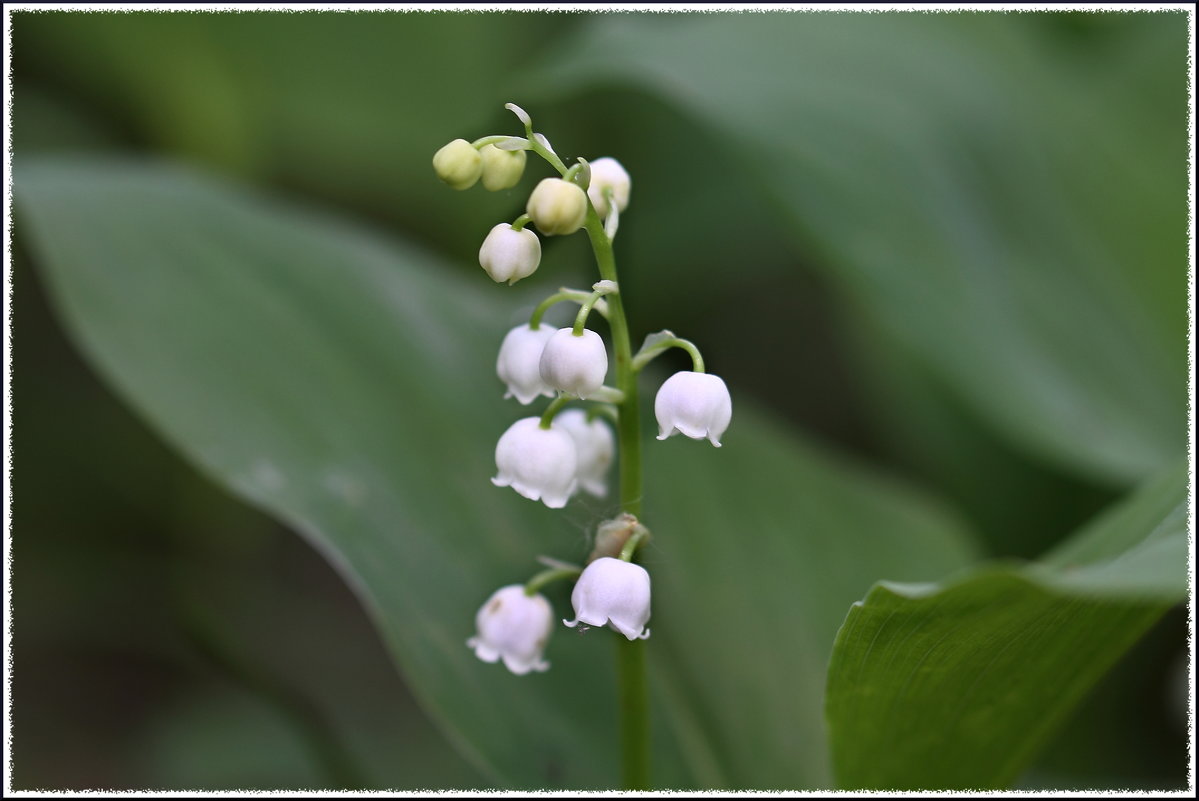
{"x": 501, "y": 168}
{"x": 594, "y": 445}
{"x": 513, "y": 627}
{"x": 612, "y": 535}
{"x": 510, "y": 255}
{"x": 519, "y": 362}
{"x": 539, "y": 463}
{"x": 696, "y": 405}
{"x": 557, "y": 207}
{"x": 607, "y": 173}
{"x": 573, "y": 364}
{"x": 458, "y": 164}
{"x": 611, "y": 592}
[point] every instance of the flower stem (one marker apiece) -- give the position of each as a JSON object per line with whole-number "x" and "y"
{"x": 633, "y": 690}
{"x": 547, "y": 417}
{"x": 629, "y": 433}
{"x": 534, "y": 585}
{"x": 603, "y": 410}
{"x": 634, "y": 713}
{"x": 585, "y": 308}
{"x": 575, "y": 295}
{"x": 630, "y": 547}
{"x": 495, "y": 139}
{"x": 646, "y": 355}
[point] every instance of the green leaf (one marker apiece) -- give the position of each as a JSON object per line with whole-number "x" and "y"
{"x": 953, "y": 181}
{"x": 345, "y": 384}
{"x": 957, "y": 685}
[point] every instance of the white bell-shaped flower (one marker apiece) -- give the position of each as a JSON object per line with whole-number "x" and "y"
{"x": 696, "y": 405}
{"x": 514, "y": 627}
{"x": 574, "y": 364}
{"x": 510, "y": 255}
{"x": 612, "y": 592}
{"x": 595, "y": 446}
{"x": 539, "y": 463}
{"x": 607, "y": 173}
{"x": 519, "y": 362}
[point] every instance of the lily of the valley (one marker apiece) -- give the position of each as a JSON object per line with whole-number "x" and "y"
{"x": 557, "y": 207}
{"x": 519, "y": 362}
{"x": 539, "y": 463}
{"x": 595, "y": 446}
{"x": 501, "y": 168}
{"x": 458, "y": 164}
{"x": 514, "y": 627}
{"x": 607, "y": 173}
{"x": 612, "y": 592}
{"x": 510, "y": 255}
{"x": 696, "y": 405}
{"x": 573, "y": 364}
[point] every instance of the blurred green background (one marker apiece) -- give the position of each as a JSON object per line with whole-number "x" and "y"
{"x": 168, "y": 636}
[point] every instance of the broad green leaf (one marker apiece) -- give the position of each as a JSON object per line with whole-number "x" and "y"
{"x": 1021, "y": 507}
{"x": 956, "y": 685}
{"x": 947, "y": 177}
{"x": 345, "y": 384}
{"x": 314, "y": 693}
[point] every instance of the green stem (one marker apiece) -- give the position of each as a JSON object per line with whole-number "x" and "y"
{"x": 607, "y": 394}
{"x": 634, "y": 712}
{"x": 646, "y": 356}
{"x": 576, "y": 295}
{"x": 534, "y": 585}
{"x": 603, "y": 410}
{"x": 491, "y": 140}
{"x": 585, "y": 308}
{"x": 631, "y": 545}
{"x": 630, "y": 659}
{"x": 629, "y": 434}
{"x": 545, "y": 153}
{"x": 547, "y": 417}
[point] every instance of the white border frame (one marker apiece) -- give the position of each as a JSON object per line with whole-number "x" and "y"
{"x": 569, "y": 7}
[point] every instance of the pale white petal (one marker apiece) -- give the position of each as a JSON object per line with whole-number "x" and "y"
{"x": 612, "y": 592}
{"x": 696, "y": 405}
{"x": 608, "y": 173}
{"x": 514, "y": 627}
{"x": 510, "y": 255}
{"x": 596, "y": 448}
{"x": 540, "y": 464}
{"x": 519, "y": 363}
{"x": 574, "y": 364}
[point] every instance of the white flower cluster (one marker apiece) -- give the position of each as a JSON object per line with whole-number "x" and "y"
{"x": 514, "y": 625}
{"x": 539, "y": 463}
{"x": 551, "y": 457}
{"x": 550, "y": 462}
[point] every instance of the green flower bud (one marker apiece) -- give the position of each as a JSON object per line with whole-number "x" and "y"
{"x": 501, "y": 168}
{"x": 458, "y": 164}
{"x": 557, "y": 207}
